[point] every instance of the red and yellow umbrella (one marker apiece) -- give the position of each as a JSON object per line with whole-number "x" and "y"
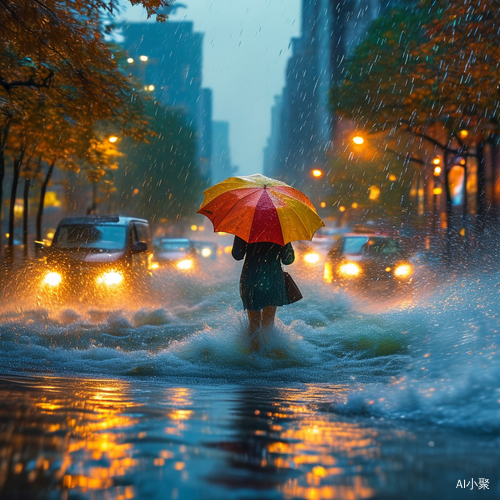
{"x": 257, "y": 208}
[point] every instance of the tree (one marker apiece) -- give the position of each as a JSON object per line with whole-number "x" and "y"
{"x": 161, "y": 176}
{"x": 430, "y": 72}
{"x": 55, "y": 51}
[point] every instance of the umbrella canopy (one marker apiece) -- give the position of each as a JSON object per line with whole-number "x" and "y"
{"x": 257, "y": 208}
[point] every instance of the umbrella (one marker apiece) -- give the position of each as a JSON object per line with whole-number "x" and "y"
{"x": 257, "y": 208}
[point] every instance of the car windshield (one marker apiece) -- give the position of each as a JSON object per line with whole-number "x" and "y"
{"x": 382, "y": 246}
{"x": 101, "y": 237}
{"x": 354, "y": 244}
{"x": 174, "y": 246}
{"x": 358, "y": 245}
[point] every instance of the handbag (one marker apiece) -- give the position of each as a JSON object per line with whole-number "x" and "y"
{"x": 292, "y": 290}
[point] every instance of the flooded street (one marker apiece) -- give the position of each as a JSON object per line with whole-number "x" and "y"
{"x": 348, "y": 397}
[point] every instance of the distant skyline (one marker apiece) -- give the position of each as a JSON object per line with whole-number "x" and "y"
{"x": 246, "y": 46}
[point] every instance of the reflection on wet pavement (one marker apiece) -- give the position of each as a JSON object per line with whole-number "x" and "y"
{"x": 111, "y": 439}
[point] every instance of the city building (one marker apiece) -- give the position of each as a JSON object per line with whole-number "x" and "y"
{"x": 222, "y": 167}
{"x": 167, "y": 60}
{"x": 303, "y": 127}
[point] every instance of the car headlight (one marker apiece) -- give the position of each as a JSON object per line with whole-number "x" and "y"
{"x": 403, "y": 271}
{"x": 327, "y": 273}
{"x": 110, "y": 278}
{"x": 311, "y": 258}
{"x": 185, "y": 264}
{"x": 206, "y": 252}
{"x": 52, "y": 279}
{"x": 350, "y": 269}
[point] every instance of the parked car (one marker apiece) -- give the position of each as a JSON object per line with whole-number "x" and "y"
{"x": 364, "y": 259}
{"x": 178, "y": 253}
{"x": 97, "y": 254}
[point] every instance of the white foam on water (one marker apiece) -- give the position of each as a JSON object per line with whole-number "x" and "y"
{"x": 428, "y": 356}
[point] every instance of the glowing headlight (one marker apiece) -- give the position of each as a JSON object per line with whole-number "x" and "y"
{"x": 185, "y": 265}
{"x": 350, "y": 269}
{"x": 206, "y": 252}
{"x": 110, "y": 278}
{"x": 403, "y": 271}
{"x": 155, "y": 265}
{"x": 311, "y": 258}
{"x": 52, "y": 279}
{"x": 327, "y": 273}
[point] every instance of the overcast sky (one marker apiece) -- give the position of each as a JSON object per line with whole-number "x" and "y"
{"x": 245, "y": 50}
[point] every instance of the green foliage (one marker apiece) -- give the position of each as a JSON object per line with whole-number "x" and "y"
{"x": 356, "y": 180}
{"x": 161, "y": 177}
{"x": 381, "y": 86}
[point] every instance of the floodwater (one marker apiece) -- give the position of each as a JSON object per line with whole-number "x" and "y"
{"x": 348, "y": 397}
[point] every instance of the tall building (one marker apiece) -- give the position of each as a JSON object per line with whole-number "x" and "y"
{"x": 167, "y": 60}
{"x": 222, "y": 166}
{"x": 303, "y": 126}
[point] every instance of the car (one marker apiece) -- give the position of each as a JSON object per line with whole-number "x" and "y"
{"x": 312, "y": 253}
{"x": 178, "y": 253}
{"x": 206, "y": 249}
{"x": 363, "y": 259}
{"x": 97, "y": 255}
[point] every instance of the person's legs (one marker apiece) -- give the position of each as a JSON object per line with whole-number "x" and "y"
{"x": 254, "y": 323}
{"x": 268, "y": 315}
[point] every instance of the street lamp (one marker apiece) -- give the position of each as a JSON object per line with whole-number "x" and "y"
{"x": 130, "y": 60}
{"x": 112, "y": 138}
{"x": 143, "y": 58}
{"x": 358, "y": 140}
{"x": 317, "y": 173}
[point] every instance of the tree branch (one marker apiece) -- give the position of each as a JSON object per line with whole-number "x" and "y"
{"x": 45, "y": 83}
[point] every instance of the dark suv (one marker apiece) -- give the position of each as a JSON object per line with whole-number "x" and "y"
{"x": 98, "y": 254}
{"x": 366, "y": 259}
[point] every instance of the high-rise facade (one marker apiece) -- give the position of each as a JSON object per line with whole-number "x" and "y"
{"x": 167, "y": 59}
{"x": 222, "y": 166}
{"x": 303, "y": 127}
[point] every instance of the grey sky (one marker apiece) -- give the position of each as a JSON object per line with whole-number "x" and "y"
{"x": 245, "y": 50}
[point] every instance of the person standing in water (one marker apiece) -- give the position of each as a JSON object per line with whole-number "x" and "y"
{"x": 262, "y": 284}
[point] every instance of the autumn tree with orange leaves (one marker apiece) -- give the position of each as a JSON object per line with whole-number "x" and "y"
{"x": 58, "y": 80}
{"x": 433, "y": 67}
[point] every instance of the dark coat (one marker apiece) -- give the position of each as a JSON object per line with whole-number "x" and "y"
{"x": 262, "y": 283}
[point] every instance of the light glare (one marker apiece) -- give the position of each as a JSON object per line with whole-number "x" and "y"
{"x": 311, "y": 258}
{"x": 52, "y": 279}
{"x": 110, "y": 278}
{"x": 350, "y": 269}
{"x": 185, "y": 265}
{"x": 403, "y": 271}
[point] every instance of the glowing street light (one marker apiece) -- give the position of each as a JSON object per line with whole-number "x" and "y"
{"x": 436, "y": 161}
{"x": 358, "y": 140}
{"x": 463, "y": 134}
{"x": 112, "y": 138}
{"x": 151, "y": 88}
{"x": 317, "y": 173}
{"x": 437, "y": 171}
{"x": 143, "y": 58}
{"x": 130, "y": 60}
